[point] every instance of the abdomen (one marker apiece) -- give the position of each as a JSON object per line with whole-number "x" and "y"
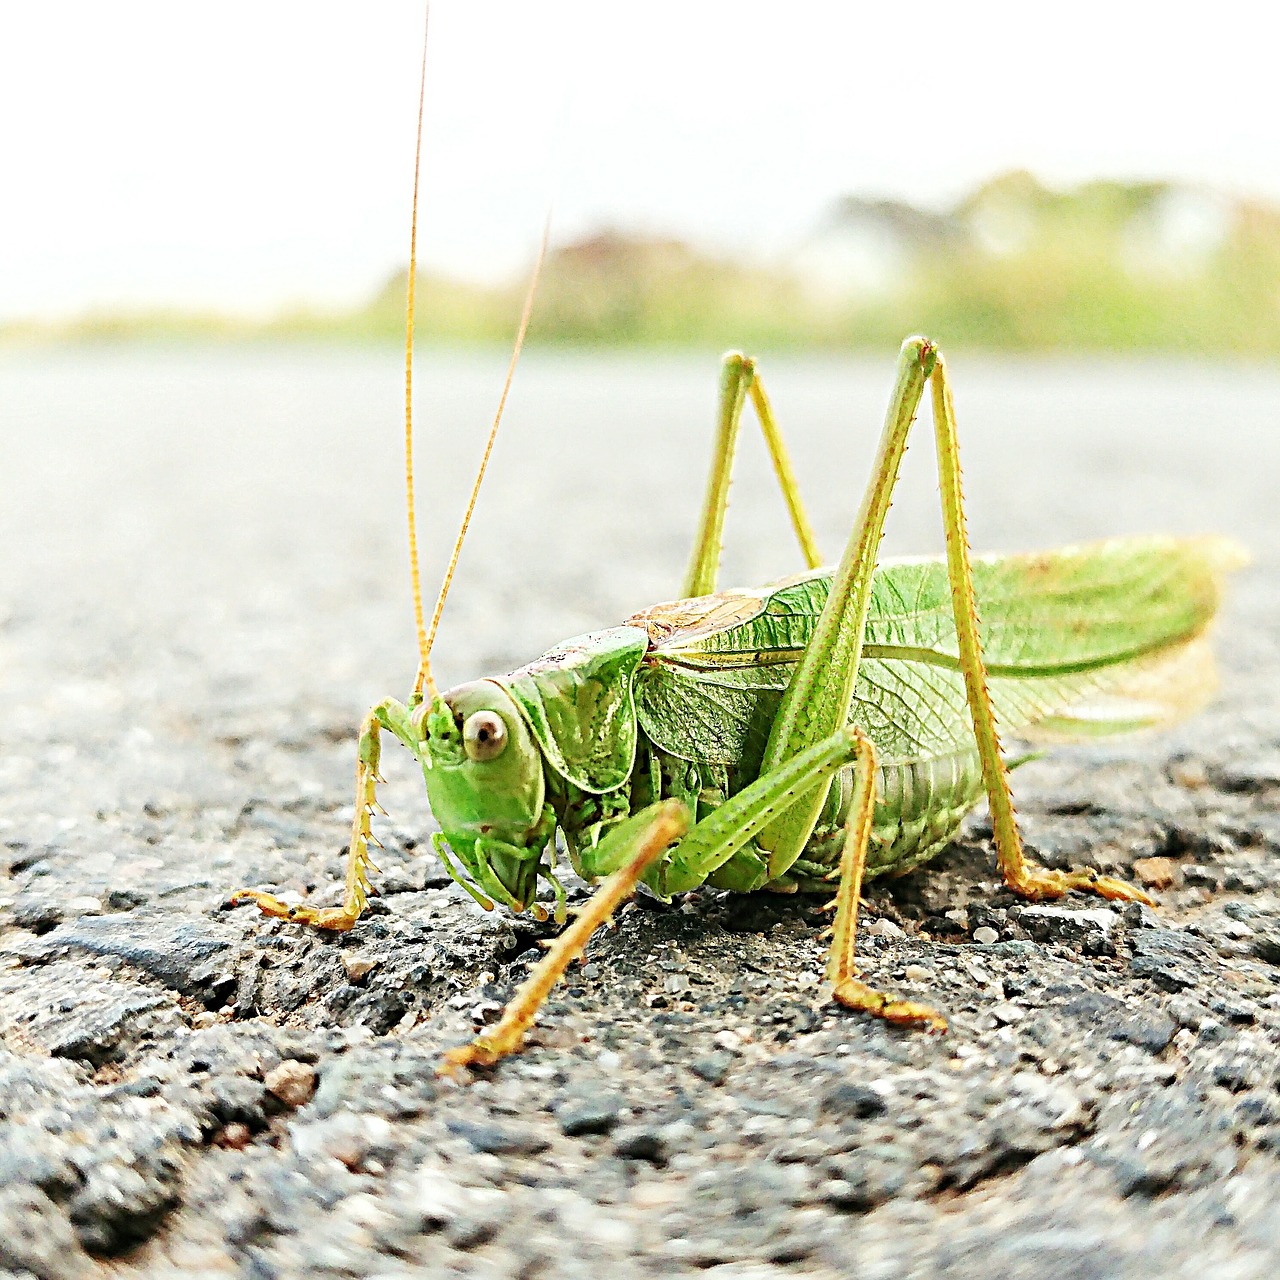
{"x": 920, "y": 806}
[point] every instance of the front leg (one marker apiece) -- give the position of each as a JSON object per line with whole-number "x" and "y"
{"x": 388, "y": 714}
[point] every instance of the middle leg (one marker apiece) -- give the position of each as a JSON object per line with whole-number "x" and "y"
{"x": 847, "y": 989}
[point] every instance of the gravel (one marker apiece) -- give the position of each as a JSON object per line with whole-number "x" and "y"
{"x": 188, "y": 1090}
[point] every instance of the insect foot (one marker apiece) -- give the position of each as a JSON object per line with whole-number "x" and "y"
{"x": 358, "y": 888}
{"x": 902, "y": 1013}
{"x": 1039, "y": 883}
{"x": 337, "y": 919}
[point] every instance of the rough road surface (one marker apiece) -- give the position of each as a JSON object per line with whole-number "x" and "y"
{"x": 203, "y": 588}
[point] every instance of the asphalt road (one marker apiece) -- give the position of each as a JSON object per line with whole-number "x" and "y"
{"x": 204, "y": 587}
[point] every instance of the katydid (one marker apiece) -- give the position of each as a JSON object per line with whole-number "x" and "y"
{"x": 835, "y": 726}
{"x": 840, "y": 724}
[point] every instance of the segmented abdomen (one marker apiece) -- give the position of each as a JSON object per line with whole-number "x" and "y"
{"x": 921, "y": 805}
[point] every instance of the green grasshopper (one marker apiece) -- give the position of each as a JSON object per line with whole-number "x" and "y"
{"x": 836, "y": 725}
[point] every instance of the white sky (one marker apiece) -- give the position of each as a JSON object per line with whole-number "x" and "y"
{"x": 253, "y": 153}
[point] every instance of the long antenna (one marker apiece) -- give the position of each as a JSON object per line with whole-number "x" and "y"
{"x": 423, "y": 648}
{"x": 424, "y": 670}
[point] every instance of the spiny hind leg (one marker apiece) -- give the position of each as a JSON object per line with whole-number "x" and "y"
{"x": 1019, "y": 874}
{"x": 820, "y": 691}
{"x": 846, "y": 989}
{"x": 388, "y": 714}
{"x": 634, "y": 845}
{"x": 738, "y": 380}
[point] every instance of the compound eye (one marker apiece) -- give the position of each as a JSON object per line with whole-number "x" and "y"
{"x": 484, "y": 735}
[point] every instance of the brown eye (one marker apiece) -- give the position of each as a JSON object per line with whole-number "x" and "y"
{"x": 484, "y": 735}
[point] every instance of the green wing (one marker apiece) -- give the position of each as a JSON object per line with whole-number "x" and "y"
{"x": 1080, "y": 641}
{"x": 579, "y": 704}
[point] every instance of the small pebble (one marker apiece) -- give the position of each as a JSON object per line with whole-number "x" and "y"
{"x": 348, "y": 1137}
{"x": 1007, "y": 1013}
{"x": 1155, "y": 873}
{"x": 498, "y": 1140}
{"x": 292, "y": 1082}
{"x": 986, "y": 935}
{"x": 848, "y": 1098}
{"x": 917, "y": 973}
{"x": 713, "y": 1067}
{"x": 357, "y": 965}
{"x": 656, "y": 1195}
{"x": 641, "y": 1143}
{"x": 1266, "y": 946}
{"x": 1191, "y": 774}
{"x": 438, "y": 1197}
{"x": 883, "y": 928}
{"x": 473, "y": 1228}
{"x": 595, "y": 1113}
{"x": 235, "y": 1136}
{"x": 1206, "y": 877}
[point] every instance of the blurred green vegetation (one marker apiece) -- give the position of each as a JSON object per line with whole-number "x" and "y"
{"x": 1115, "y": 266}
